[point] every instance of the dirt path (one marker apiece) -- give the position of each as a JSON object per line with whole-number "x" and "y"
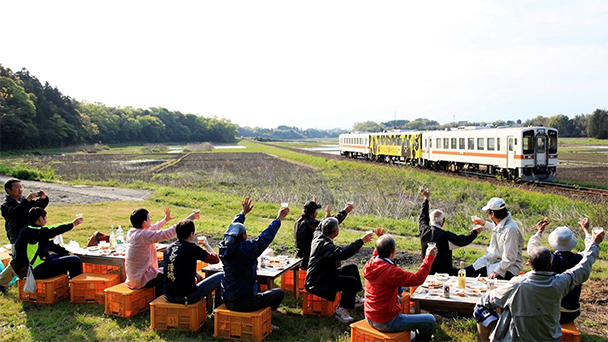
{"x": 80, "y": 194}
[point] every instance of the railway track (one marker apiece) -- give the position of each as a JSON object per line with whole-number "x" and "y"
{"x": 570, "y": 190}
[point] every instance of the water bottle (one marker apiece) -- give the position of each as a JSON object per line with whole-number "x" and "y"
{"x": 112, "y": 237}
{"x": 120, "y": 236}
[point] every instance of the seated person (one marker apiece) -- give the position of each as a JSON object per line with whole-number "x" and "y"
{"x": 431, "y": 230}
{"x": 35, "y": 246}
{"x": 383, "y": 282}
{"x": 324, "y": 278}
{"x": 531, "y": 303}
{"x": 563, "y": 241}
{"x": 180, "y": 269}
{"x": 306, "y": 224}
{"x": 141, "y": 262}
{"x": 240, "y": 259}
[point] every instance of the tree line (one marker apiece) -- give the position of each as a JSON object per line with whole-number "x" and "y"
{"x": 594, "y": 125}
{"x": 33, "y": 115}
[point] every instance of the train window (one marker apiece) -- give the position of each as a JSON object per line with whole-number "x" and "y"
{"x": 552, "y": 141}
{"x": 471, "y": 144}
{"x": 490, "y": 144}
{"x": 430, "y": 143}
{"x": 453, "y": 143}
{"x": 480, "y": 144}
{"x": 497, "y": 144}
{"x": 528, "y": 142}
{"x": 438, "y": 144}
{"x": 461, "y": 143}
{"x": 446, "y": 143}
{"x": 541, "y": 141}
{"x": 510, "y": 144}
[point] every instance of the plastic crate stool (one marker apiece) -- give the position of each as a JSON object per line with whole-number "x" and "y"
{"x": 570, "y": 333}
{"x": 234, "y": 325}
{"x": 125, "y": 302}
{"x": 50, "y": 290}
{"x": 317, "y": 306}
{"x": 89, "y": 287}
{"x": 166, "y": 316}
{"x": 405, "y": 303}
{"x": 287, "y": 280}
{"x": 97, "y": 268}
{"x": 361, "y": 331}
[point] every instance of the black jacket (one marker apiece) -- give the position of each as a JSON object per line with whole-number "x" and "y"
{"x": 443, "y": 260}
{"x": 15, "y": 214}
{"x": 303, "y": 232}
{"x": 43, "y": 236}
{"x": 322, "y": 277}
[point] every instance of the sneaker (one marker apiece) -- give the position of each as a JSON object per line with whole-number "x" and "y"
{"x": 359, "y": 301}
{"x": 342, "y": 315}
{"x": 274, "y": 327}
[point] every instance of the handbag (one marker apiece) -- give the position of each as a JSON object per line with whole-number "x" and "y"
{"x": 30, "y": 283}
{"x": 96, "y": 238}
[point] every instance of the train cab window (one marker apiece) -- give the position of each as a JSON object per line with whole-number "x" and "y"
{"x": 552, "y": 141}
{"x": 461, "y": 143}
{"x": 471, "y": 143}
{"x": 438, "y": 143}
{"x": 446, "y": 143}
{"x": 528, "y": 142}
{"x": 480, "y": 144}
{"x": 490, "y": 144}
{"x": 541, "y": 144}
{"x": 453, "y": 143}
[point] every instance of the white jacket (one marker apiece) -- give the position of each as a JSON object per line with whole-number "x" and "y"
{"x": 505, "y": 252}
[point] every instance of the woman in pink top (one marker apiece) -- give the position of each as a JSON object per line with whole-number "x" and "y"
{"x": 141, "y": 263}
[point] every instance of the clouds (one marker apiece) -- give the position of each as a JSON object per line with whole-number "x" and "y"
{"x": 321, "y": 63}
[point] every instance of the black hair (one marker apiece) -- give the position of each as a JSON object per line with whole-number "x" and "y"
{"x": 500, "y": 214}
{"x": 9, "y": 184}
{"x": 35, "y": 213}
{"x": 184, "y": 228}
{"x": 138, "y": 217}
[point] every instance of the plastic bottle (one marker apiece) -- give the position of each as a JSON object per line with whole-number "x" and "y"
{"x": 112, "y": 237}
{"x": 462, "y": 276}
{"x": 120, "y": 236}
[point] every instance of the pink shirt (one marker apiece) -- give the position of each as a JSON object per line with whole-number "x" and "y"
{"x": 141, "y": 263}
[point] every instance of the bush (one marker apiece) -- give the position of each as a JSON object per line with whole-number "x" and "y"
{"x": 26, "y": 172}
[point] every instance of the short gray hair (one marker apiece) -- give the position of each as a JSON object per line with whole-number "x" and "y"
{"x": 541, "y": 259}
{"x": 385, "y": 245}
{"x": 437, "y": 216}
{"x": 329, "y": 225}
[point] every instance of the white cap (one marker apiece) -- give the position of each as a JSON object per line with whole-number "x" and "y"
{"x": 562, "y": 239}
{"x": 495, "y": 203}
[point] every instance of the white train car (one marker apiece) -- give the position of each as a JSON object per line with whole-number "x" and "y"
{"x": 526, "y": 153}
{"x": 355, "y": 145}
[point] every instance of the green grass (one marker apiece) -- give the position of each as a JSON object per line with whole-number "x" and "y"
{"x": 384, "y": 197}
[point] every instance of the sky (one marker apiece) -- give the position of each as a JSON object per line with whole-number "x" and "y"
{"x": 318, "y": 64}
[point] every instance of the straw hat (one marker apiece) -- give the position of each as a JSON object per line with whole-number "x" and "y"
{"x": 562, "y": 239}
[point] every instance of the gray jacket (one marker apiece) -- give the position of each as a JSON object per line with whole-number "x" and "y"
{"x": 531, "y": 303}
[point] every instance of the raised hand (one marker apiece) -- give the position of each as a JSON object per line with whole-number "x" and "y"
{"x": 247, "y": 204}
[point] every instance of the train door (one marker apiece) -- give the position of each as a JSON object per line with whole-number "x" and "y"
{"x": 541, "y": 155}
{"x": 511, "y": 163}
{"x": 429, "y": 147}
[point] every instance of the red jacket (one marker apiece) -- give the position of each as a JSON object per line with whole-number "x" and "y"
{"x": 382, "y": 280}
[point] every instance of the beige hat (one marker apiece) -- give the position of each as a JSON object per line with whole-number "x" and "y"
{"x": 495, "y": 203}
{"x": 562, "y": 239}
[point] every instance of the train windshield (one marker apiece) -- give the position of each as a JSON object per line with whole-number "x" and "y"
{"x": 552, "y": 141}
{"x": 528, "y": 142}
{"x": 541, "y": 144}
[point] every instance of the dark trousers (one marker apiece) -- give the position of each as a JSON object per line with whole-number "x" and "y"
{"x": 567, "y": 317}
{"x": 349, "y": 283}
{"x": 272, "y": 298}
{"x": 54, "y": 266}
{"x": 471, "y": 272}
{"x": 157, "y": 283}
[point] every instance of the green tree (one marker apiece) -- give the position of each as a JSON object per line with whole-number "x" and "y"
{"x": 367, "y": 126}
{"x": 598, "y": 124}
{"x": 562, "y": 123}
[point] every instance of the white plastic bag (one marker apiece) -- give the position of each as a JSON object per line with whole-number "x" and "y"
{"x": 30, "y": 283}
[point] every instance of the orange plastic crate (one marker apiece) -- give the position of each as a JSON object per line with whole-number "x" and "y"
{"x": 95, "y": 268}
{"x": 89, "y": 287}
{"x": 287, "y": 280}
{"x": 317, "y": 306}
{"x": 570, "y": 333}
{"x": 200, "y": 265}
{"x": 50, "y": 290}
{"x": 125, "y": 302}
{"x": 361, "y": 331}
{"x": 168, "y": 316}
{"x": 405, "y": 303}
{"x": 236, "y": 325}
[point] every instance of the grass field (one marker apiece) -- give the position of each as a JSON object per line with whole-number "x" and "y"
{"x": 216, "y": 182}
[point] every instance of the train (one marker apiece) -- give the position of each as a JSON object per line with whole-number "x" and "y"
{"x": 525, "y": 154}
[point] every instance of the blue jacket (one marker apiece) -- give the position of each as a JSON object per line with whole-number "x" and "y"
{"x": 241, "y": 262}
